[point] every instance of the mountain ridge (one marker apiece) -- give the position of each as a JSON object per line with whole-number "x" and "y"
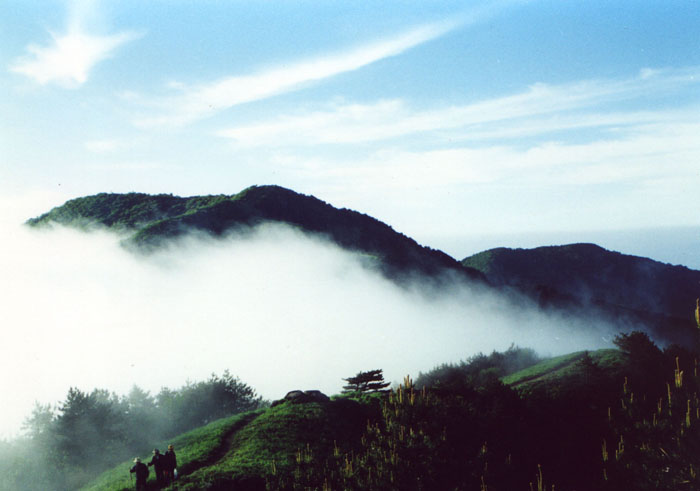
{"x": 587, "y": 275}
{"x": 583, "y": 278}
{"x": 152, "y": 220}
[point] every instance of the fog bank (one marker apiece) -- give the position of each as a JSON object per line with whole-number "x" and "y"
{"x": 278, "y": 308}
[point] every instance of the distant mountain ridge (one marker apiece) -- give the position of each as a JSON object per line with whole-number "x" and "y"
{"x": 152, "y": 220}
{"x": 581, "y": 279}
{"x": 587, "y": 275}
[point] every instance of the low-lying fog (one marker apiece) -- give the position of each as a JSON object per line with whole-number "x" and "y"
{"x": 277, "y": 308}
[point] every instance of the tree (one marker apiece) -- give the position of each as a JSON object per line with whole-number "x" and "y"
{"x": 199, "y": 403}
{"x": 371, "y": 381}
{"x": 86, "y": 425}
{"x": 636, "y": 344}
{"x": 646, "y": 361}
{"x": 67, "y": 444}
{"x": 591, "y": 372}
{"x": 143, "y": 422}
{"x": 38, "y": 425}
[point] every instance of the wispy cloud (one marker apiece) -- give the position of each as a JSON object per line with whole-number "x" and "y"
{"x": 200, "y": 101}
{"x": 648, "y": 154}
{"x": 597, "y": 144}
{"x": 631, "y": 138}
{"x": 103, "y": 146}
{"x": 128, "y": 166}
{"x": 112, "y": 145}
{"x": 69, "y": 57}
{"x": 540, "y": 109}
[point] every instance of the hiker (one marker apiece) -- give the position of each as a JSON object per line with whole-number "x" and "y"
{"x": 141, "y": 471}
{"x": 158, "y": 463}
{"x": 170, "y": 464}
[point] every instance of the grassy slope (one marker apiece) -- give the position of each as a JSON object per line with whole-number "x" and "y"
{"x": 552, "y": 373}
{"x": 237, "y": 449}
{"x": 277, "y": 435}
{"x": 195, "y": 449}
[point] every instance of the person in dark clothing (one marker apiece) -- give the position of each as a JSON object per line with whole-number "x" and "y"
{"x": 141, "y": 472}
{"x": 170, "y": 464}
{"x": 158, "y": 463}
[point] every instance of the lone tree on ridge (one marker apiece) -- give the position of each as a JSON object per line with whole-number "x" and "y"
{"x": 371, "y": 381}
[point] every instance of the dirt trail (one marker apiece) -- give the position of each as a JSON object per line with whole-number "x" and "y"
{"x": 220, "y": 451}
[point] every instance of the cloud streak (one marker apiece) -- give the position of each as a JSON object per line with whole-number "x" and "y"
{"x": 68, "y": 59}
{"x": 201, "y": 101}
{"x": 645, "y": 153}
{"x": 589, "y": 137}
{"x": 542, "y": 108}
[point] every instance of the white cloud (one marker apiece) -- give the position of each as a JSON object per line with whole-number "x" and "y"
{"x": 602, "y": 138}
{"x": 125, "y": 166}
{"x": 68, "y": 59}
{"x": 509, "y": 116}
{"x": 203, "y": 100}
{"x": 349, "y": 123}
{"x": 103, "y": 146}
{"x": 648, "y": 153}
{"x": 18, "y": 206}
{"x": 272, "y": 307}
{"x": 112, "y": 145}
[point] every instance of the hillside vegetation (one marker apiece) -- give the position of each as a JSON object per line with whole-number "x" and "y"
{"x": 151, "y": 221}
{"x": 68, "y": 443}
{"x": 607, "y": 420}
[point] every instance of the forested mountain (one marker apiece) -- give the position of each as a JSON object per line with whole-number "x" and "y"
{"x": 585, "y": 279}
{"x": 637, "y": 289}
{"x": 152, "y": 220}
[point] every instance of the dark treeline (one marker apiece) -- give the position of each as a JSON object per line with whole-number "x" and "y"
{"x": 65, "y": 445}
{"x": 594, "y": 429}
{"x": 479, "y": 368}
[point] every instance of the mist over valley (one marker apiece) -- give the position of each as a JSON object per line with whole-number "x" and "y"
{"x": 349, "y": 246}
{"x": 278, "y": 305}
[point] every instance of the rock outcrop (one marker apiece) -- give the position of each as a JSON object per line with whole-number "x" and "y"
{"x": 302, "y": 397}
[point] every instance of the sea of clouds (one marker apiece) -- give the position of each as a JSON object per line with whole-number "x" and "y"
{"x": 280, "y": 309}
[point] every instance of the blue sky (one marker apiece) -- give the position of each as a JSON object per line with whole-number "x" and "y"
{"x": 450, "y": 121}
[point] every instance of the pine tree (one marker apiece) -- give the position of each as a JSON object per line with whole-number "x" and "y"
{"x": 371, "y": 381}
